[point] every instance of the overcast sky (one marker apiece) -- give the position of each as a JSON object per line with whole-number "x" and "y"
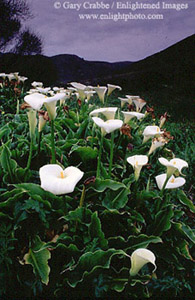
{"x": 107, "y": 40}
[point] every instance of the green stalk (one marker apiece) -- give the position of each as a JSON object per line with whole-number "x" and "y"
{"x": 18, "y": 107}
{"x": 53, "y": 155}
{"x": 30, "y": 154}
{"x": 82, "y": 197}
{"x": 99, "y": 157}
{"x": 93, "y": 133}
{"x": 39, "y": 141}
{"x": 111, "y": 154}
{"x": 164, "y": 185}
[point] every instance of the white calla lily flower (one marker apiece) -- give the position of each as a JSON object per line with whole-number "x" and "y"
{"x": 58, "y": 181}
{"x": 173, "y": 165}
{"x": 43, "y": 90}
{"x": 112, "y": 87}
{"x": 108, "y": 112}
{"x": 101, "y": 91}
{"x": 107, "y": 126}
{"x": 157, "y": 143}
{"x": 128, "y": 115}
{"x": 78, "y": 86}
{"x": 37, "y": 84}
{"x": 22, "y": 78}
{"x": 137, "y": 162}
{"x": 151, "y": 132}
{"x": 123, "y": 101}
{"x": 11, "y": 76}
{"x": 56, "y": 89}
{"x": 131, "y": 98}
{"x": 3, "y": 75}
{"x": 139, "y": 103}
{"x": 89, "y": 94}
{"x": 139, "y": 258}
{"x": 37, "y": 100}
{"x": 50, "y": 104}
{"x": 172, "y": 183}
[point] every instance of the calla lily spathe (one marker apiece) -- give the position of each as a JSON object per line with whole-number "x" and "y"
{"x": 128, "y": 115}
{"x": 108, "y": 112}
{"x": 101, "y": 91}
{"x": 139, "y": 258}
{"x": 131, "y": 98}
{"x": 172, "y": 183}
{"x": 37, "y": 100}
{"x": 137, "y": 162}
{"x": 139, "y": 103}
{"x": 112, "y": 87}
{"x": 151, "y": 132}
{"x": 78, "y": 85}
{"x": 173, "y": 165}
{"x": 157, "y": 143}
{"x": 37, "y": 84}
{"x": 123, "y": 101}
{"x": 43, "y": 90}
{"x": 58, "y": 181}
{"x": 107, "y": 126}
{"x": 32, "y": 121}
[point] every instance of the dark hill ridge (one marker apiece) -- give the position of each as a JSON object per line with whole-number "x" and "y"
{"x": 72, "y": 67}
{"x": 165, "y": 78}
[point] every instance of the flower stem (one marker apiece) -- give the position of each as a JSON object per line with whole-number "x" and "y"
{"x": 30, "y": 154}
{"x": 99, "y": 157}
{"x": 53, "y": 155}
{"x": 82, "y": 197}
{"x": 164, "y": 185}
{"x": 111, "y": 154}
{"x": 39, "y": 141}
{"x": 18, "y": 107}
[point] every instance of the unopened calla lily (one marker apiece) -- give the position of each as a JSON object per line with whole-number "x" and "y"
{"x": 58, "y": 181}
{"x": 139, "y": 258}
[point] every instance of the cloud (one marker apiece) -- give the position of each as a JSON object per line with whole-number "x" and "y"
{"x": 108, "y": 40}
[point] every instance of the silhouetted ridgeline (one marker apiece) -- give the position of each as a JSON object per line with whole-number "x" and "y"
{"x": 165, "y": 78}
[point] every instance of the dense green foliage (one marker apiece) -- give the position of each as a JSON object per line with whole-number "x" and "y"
{"x": 78, "y": 245}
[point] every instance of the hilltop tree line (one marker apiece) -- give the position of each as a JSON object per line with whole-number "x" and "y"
{"x": 14, "y": 37}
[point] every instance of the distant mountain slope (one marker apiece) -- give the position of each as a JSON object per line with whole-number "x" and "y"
{"x": 165, "y": 78}
{"x": 72, "y": 67}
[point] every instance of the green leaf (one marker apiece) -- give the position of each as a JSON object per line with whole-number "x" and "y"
{"x": 86, "y": 153}
{"x": 81, "y": 129}
{"x": 4, "y": 131}
{"x": 89, "y": 263}
{"x": 117, "y": 199}
{"x": 185, "y": 201}
{"x": 95, "y": 230}
{"x": 101, "y": 185}
{"x": 39, "y": 260}
{"x": 133, "y": 242}
{"x": 9, "y": 165}
{"x": 162, "y": 221}
{"x": 184, "y": 231}
{"x": 183, "y": 248}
